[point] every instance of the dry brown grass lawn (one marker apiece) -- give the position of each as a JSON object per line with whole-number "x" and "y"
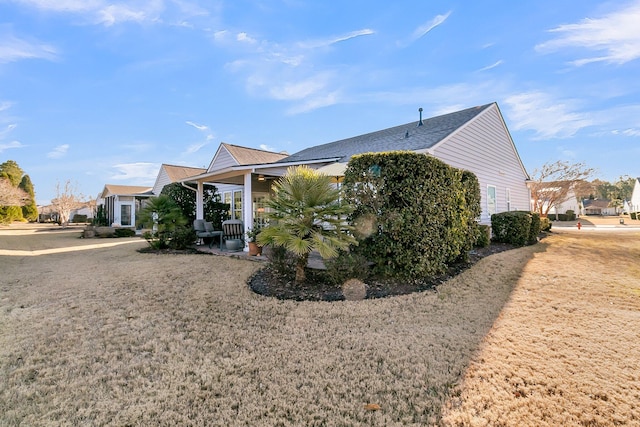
{"x": 110, "y": 336}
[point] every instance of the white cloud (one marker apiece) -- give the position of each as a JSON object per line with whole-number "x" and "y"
{"x": 425, "y": 28}
{"x": 293, "y": 91}
{"x": 5, "y": 105}
{"x": 204, "y": 129}
{"x": 58, "y": 152}
{"x": 615, "y": 36}
{"x": 197, "y": 126}
{"x": 546, "y": 116}
{"x": 114, "y": 14}
{"x": 336, "y": 39}
{"x": 494, "y": 65}
{"x": 4, "y": 133}
{"x": 12, "y": 144}
{"x": 627, "y": 132}
{"x": 315, "y": 102}
{"x": 194, "y": 148}
{"x": 140, "y": 172}
{"x": 245, "y": 38}
{"x": 105, "y": 12}
{"x": 15, "y": 49}
{"x": 266, "y": 147}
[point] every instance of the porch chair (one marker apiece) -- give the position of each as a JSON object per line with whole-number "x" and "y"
{"x": 233, "y": 234}
{"x": 203, "y": 230}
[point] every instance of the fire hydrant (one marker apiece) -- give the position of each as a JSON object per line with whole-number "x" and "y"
{"x": 579, "y": 225}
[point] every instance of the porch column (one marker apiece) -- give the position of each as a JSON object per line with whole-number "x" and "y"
{"x": 200, "y": 201}
{"x": 247, "y": 208}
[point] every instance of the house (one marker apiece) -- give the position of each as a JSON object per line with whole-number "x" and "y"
{"x": 475, "y": 139}
{"x": 122, "y": 203}
{"x": 599, "y": 207}
{"x": 549, "y": 194}
{"x": 235, "y": 170}
{"x": 634, "y": 203}
{"x": 86, "y": 211}
{"x": 169, "y": 174}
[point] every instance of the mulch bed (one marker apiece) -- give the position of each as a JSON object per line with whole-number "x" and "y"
{"x": 317, "y": 288}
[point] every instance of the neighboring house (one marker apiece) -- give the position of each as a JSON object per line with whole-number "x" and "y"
{"x": 169, "y": 174}
{"x": 85, "y": 210}
{"x": 599, "y": 207}
{"x": 569, "y": 203}
{"x": 634, "y": 203}
{"x": 122, "y": 203}
{"x": 475, "y": 139}
{"x": 47, "y": 213}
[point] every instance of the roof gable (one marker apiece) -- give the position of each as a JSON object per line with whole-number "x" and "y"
{"x": 233, "y": 155}
{"x": 411, "y": 136}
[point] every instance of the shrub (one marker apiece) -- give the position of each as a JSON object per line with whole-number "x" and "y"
{"x": 414, "y": 214}
{"x": 124, "y": 232}
{"x": 512, "y": 227}
{"x": 634, "y": 215}
{"x": 484, "y": 236}
{"x": 552, "y": 217}
{"x": 79, "y": 218}
{"x": 545, "y": 224}
{"x": 347, "y": 265}
{"x": 571, "y": 215}
{"x": 181, "y": 237}
{"x": 281, "y": 261}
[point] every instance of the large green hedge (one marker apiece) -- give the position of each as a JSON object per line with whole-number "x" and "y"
{"x": 413, "y": 214}
{"x": 517, "y": 227}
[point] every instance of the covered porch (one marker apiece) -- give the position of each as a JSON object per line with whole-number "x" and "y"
{"x": 246, "y": 188}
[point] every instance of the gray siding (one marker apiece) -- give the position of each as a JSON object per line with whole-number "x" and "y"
{"x": 161, "y": 181}
{"x": 222, "y": 160}
{"x": 484, "y": 147}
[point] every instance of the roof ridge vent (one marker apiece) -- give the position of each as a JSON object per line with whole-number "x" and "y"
{"x": 420, "y": 122}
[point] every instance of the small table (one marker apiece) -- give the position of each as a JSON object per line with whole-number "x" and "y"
{"x": 213, "y": 235}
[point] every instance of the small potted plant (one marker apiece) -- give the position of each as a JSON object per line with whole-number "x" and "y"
{"x": 252, "y": 234}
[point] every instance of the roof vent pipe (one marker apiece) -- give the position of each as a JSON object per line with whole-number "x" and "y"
{"x": 420, "y": 122}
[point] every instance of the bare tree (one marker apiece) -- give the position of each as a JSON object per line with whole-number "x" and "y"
{"x": 67, "y": 199}
{"x": 10, "y": 195}
{"x": 552, "y": 184}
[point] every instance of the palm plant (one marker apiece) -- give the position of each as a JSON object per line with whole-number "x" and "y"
{"x": 306, "y": 215}
{"x": 164, "y": 217}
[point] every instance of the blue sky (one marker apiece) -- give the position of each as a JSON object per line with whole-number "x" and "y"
{"x": 101, "y": 91}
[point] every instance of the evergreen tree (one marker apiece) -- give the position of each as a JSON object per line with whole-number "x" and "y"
{"x": 12, "y": 171}
{"x": 30, "y": 209}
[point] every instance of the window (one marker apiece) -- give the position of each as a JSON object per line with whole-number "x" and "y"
{"x": 260, "y": 209}
{"x": 508, "y": 196}
{"x": 491, "y": 200}
{"x": 237, "y": 204}
{"x": 234, "y": 200}
{"x": 125, "y": 215}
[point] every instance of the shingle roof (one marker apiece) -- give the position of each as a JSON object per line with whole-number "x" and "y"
{"x": 126, "y": 190}
{"x": 409, "y": 136}
{"x": 252, "y": 156}
{"x": 596, "y": 203}
{"x": 176, "y": 173}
